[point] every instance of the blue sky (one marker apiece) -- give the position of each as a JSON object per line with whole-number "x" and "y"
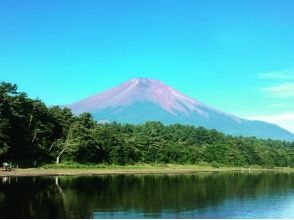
{"x": 235, "y": 55}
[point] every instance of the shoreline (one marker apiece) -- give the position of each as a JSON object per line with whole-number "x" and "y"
{"x": 129, "y": 170}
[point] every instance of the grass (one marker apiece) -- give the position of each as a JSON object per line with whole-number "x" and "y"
{"x": 76, "y": 169}
{"x": 74, "y": 165}
{"x": 200, "y": 165}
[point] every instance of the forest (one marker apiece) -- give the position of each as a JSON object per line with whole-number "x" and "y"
{"x": 32, "y": 134}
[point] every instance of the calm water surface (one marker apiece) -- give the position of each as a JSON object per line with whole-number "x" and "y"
{"x": 204, "y": 195}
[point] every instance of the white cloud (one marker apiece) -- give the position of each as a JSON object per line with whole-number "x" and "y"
{"x": 276, "y": 105}
{"x": 284, "y": 75}
{"x": 284, "y": 90}
{"x": 285, "y": 120}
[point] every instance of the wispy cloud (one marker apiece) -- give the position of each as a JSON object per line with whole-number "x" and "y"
{"x": 284, "y": 90}
{"x": 283, "y": 75}
{"x": 285, "y": 120}
{"x": 276, "y": 105}
{"x": 280, "y": 84}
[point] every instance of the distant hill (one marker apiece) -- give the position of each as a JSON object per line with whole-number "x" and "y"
{"x": 139, "y": 100}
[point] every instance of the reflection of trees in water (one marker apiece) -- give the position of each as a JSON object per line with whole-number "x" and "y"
{"x": 79, "y": 197}
{"x": 31, "y": 198}
{"x": 2, "y": 197}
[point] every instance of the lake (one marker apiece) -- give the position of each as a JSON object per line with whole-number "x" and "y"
{"x": 202, "y": 195}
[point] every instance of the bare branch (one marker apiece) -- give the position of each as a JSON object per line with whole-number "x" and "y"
{"x": 70, "y": 132}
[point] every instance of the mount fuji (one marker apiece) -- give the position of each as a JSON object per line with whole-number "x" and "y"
{"x": 139, "y": 100}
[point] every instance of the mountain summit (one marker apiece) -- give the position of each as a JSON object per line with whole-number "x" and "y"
{"x": 142, "y": 99}
{"x": 141, "y": 90}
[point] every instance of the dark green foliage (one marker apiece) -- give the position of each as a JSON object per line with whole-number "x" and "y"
{"x": 32, "y": 134}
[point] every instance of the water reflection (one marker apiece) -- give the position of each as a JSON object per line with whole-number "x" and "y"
{"x": 4, "y": 179}
{"x": 204, "y": 195}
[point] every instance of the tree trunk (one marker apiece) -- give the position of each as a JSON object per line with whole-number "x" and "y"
{"x": 31, "y": 118}
{"x": 66, "y": 145}
{"x": 35, "y": 135}
{"x": 57, "y": 158}
{"x": 51, "y": 147}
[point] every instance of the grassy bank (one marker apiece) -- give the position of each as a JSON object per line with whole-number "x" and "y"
{"x": 73, "y": 169}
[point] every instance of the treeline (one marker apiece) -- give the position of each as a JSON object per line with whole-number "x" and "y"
{"x": 32, "y": 134}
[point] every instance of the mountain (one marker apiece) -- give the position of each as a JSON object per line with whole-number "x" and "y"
{"x": 140, "y": 99}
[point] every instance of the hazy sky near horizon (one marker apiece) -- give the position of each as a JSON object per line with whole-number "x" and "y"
{"x": 235, "y": 55}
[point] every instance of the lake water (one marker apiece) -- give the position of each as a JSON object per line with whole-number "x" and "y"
{"x": 203, "y": 195}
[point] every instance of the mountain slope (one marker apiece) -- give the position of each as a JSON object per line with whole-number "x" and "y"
{"x": 139, "y": 100}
